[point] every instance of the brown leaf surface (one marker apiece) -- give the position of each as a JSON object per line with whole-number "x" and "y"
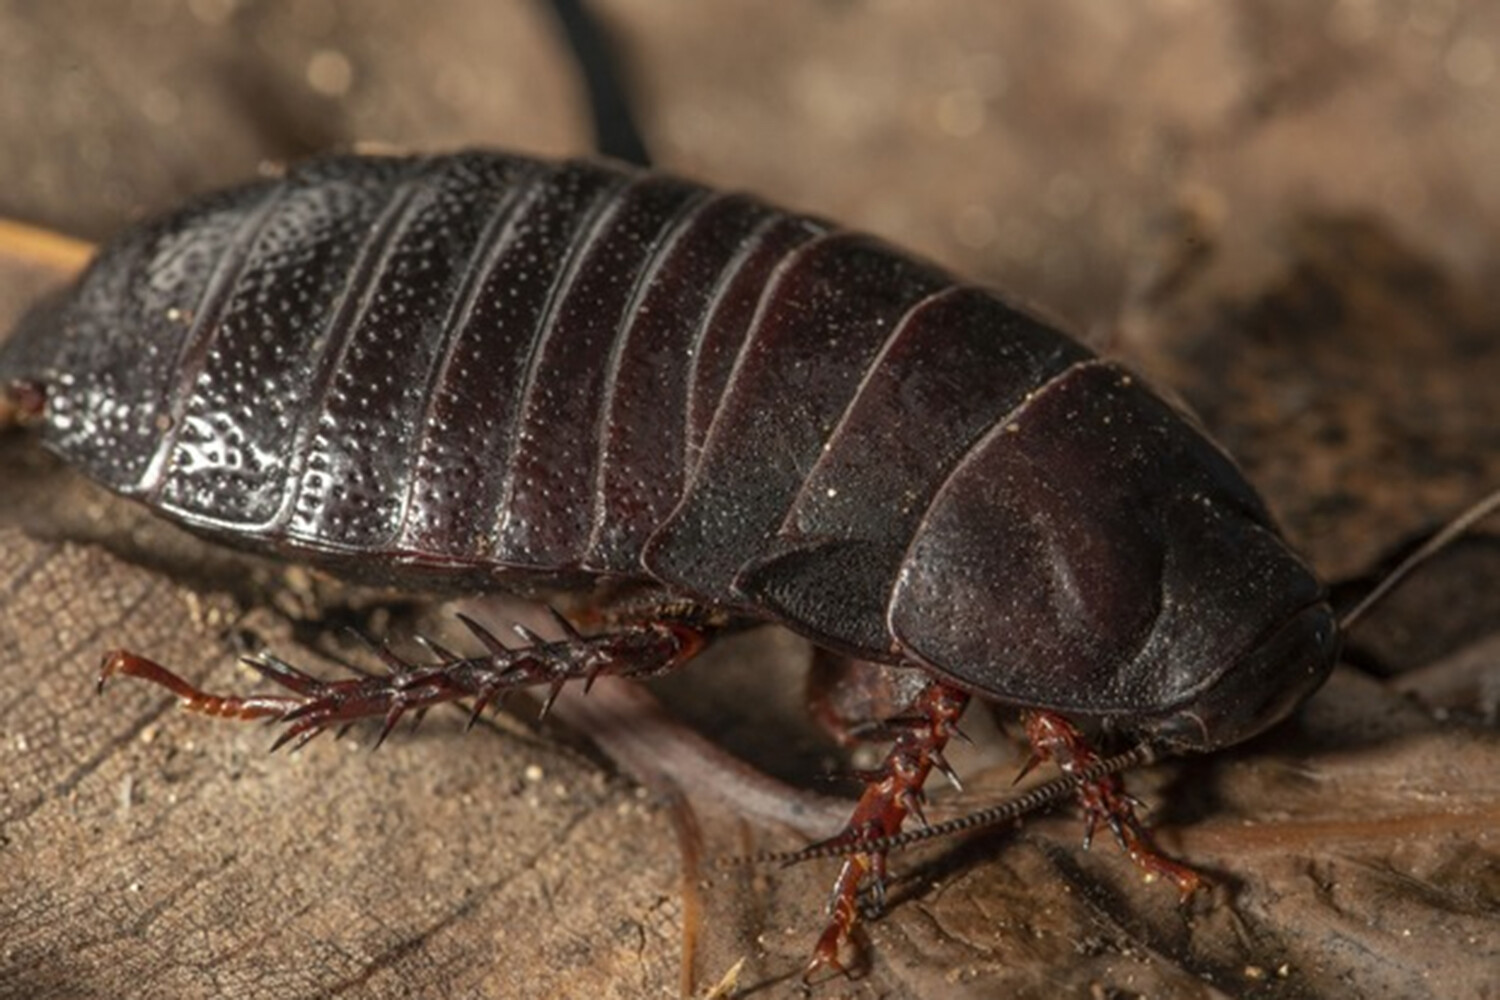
{"x": 1287, "y": 211}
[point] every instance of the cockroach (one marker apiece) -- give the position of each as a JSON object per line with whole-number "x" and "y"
{"x": 484, "y": 371}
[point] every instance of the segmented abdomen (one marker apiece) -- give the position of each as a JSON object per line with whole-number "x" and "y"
{"x": 483, "y": 364}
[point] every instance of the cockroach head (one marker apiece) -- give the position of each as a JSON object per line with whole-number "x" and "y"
{"x": 1257, "y": 690}
{"x": 1104, "y": 560}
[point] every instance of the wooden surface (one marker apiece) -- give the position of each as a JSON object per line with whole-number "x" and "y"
{"x": 1287, "y": 212}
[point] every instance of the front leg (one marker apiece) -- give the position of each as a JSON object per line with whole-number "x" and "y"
{"x": 893, "y": 791}
{"x": 1103, "y": 799}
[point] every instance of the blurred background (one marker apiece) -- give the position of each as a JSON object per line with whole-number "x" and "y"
{"x": 1287, "y": 211}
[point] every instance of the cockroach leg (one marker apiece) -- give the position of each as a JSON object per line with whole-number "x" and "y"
{"x": 118, "y": 662}
{"x": 893, "y": 792}
{"x": 1103, "y": 799}
{"x": 640, "y": 649}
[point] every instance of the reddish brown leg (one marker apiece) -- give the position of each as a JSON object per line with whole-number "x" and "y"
{"x": 639, "y": 649}
{"x": 893, "y": 792}
{"x": 1056, "y": 739}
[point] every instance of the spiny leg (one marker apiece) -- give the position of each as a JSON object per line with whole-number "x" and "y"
{"x": 1103, "y": 799}
{"x": 629, "y": 649}
{"x": 893, "y": 791}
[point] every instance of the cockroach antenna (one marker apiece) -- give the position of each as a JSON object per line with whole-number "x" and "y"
{"x": 1043, "y": 795}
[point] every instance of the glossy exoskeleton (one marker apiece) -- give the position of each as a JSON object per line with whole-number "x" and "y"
{"x": 485, "y": 371}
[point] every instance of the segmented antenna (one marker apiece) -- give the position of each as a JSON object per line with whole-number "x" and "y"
{"x": 1450, "y": 532}
{"x": 1036, "y": 798}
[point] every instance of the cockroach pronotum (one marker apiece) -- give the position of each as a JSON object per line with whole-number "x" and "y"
{"x": 484, "y": 371}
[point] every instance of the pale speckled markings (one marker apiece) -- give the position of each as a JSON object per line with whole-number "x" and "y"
{"x": 731, "y": 311}
{"x": 819, "y": 322}
{"x": 519, "y": 182}
{"x": 957, "y": 363}
{"x": 461, "y": 475}
{"x": 236, "y": 438}
{"x": 226, "y": 242}
{"x": 646, "y": 424}
{"x": 442, "y": 519}
{"x": 364, "y": 430}
{"x": 522, "y": 507}
{"x": 547, "y": 514}
{"x": 342, "y": 493}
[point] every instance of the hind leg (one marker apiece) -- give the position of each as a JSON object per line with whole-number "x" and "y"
{"x": 638, "y": 647}
{"x": 1105, "y": 800}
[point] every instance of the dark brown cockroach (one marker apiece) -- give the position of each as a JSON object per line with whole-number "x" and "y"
{"x": 486, "y": 371}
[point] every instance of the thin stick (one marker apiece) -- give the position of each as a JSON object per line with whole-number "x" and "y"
{"x": 43, "y": 247}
